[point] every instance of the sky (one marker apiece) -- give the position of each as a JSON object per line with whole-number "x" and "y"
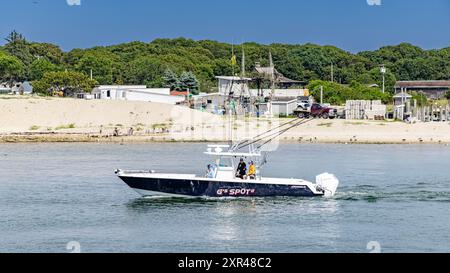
{"x": 353, "y": 25}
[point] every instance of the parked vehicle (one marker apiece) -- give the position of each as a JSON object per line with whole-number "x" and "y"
{"x": 316, "y": 111}
{"x": 304, "y": 104}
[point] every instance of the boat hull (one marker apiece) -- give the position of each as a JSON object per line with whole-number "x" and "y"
{"x": 146, "y": 186}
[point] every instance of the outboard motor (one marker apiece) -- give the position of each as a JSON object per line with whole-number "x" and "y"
{"x": 327, "y": 183}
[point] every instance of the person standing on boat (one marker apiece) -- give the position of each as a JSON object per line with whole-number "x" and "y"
{"x": 242, "y": 169}
{"x": 211, "y": 173}
{"x": 252, "y": 170}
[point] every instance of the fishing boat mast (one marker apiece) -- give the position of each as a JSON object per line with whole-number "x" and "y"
{"x": 272, "y": 86}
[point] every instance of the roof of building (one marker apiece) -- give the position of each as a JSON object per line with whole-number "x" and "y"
{"x": 26, "y": 87}
{"x": 233, "y": 78}
{"x": 423, "y": 84}
{"x": 121, "y": 87}
{"x": 268, "y": 71}
{"x": 207, "y": 95}
{"x": 283, "y": 79}
{"x": 179, "y": 93}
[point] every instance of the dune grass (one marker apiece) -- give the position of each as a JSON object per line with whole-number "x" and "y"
{"x": 65, "y": 127}
{"x": 327, "y": 124}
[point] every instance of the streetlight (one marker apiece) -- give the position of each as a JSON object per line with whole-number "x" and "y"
{"x": 383, "y": 72}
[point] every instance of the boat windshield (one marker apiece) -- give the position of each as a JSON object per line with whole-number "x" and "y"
{"x": 225, "y": 162}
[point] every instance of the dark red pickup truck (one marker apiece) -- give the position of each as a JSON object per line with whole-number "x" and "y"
{"x": 316, "y": 111}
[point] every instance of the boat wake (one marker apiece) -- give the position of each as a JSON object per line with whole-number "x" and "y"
{"x": 373, "y": 194}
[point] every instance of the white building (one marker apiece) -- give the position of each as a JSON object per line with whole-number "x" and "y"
{"x": 233, "y": 86}
{"x": 136, "y": 93}
{"x": 4, "y": 88}
{"x": 212, "y": 102}
{"x": 280, "y": 107}
{"x": 18, "y": 88}
{"x": 26, "y": 88}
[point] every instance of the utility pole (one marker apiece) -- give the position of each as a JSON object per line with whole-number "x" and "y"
{"x": 92, "y": 75}
{"x": 243, "y": 62}
{"x": 243, "y": 85}
{"x": 272, "y": 72}
{"x": 383, "y": 72}
{"x": 321, "y": 95}
{"x": 332, "y": 72}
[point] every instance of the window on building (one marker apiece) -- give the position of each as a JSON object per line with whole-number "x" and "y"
{"x": 108, "y": 94}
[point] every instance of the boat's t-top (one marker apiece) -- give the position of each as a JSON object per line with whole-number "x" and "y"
{"x": 227, "y": 161}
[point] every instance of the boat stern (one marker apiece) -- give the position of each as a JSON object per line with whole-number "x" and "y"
{"x": 328, "y": 183}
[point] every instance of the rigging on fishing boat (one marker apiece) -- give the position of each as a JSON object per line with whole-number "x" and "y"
{"x": 229, "y": 175}
{"x": 226, "y": 179}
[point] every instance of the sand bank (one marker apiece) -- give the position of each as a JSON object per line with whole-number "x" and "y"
{"x": 70, "y": 120}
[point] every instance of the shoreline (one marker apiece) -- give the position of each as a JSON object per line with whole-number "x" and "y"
{"x": 54, "y": 120}
{"x": 90, "y": 138}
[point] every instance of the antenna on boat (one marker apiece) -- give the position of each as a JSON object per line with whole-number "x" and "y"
{"x": 231, "y": 126}
{"x": 272, "y": 85}
{"x": 243, "y": 62}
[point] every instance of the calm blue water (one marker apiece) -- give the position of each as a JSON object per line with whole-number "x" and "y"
{"x": 51, "y": 194}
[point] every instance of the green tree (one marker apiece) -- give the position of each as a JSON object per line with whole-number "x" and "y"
{"x": 39, "y": 67}
{"x": 18, "y": 46}
{"x": 67, "y": 82}
{"x": 147, "y": 70}
{"x": 52, "y": 53}
{"x": 100, "y": 65}
{"x": 146, "y": 63}
{"x": 189, "y": 81}
{"x": 14, "y": 37}
{"x": 11, "y": 68}
{"x": 171, "y": 80}
{"x": 338, "y": 94}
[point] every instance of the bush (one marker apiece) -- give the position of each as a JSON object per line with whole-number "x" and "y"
{"x": 338, "y": 94}
{"x": 67, "y": 81}
{"x": 421, "y": 99}
{"x": 65, "y": 127}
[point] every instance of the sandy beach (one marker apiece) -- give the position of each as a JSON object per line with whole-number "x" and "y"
{"x": 69, "y": 120}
